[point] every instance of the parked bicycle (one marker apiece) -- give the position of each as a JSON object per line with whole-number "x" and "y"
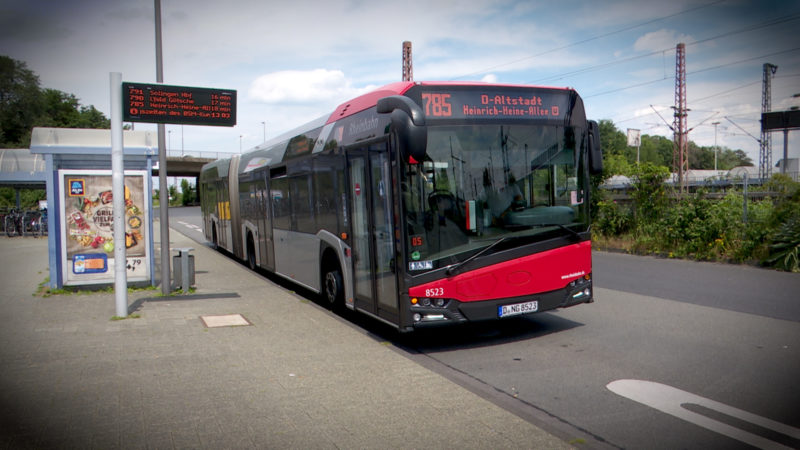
{"x": 42, "y": 222}
{"x": 14, "y": 223}
{"x": 31, "y": 224}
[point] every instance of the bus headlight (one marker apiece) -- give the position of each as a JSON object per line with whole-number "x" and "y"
{"x": 426, "y": 302}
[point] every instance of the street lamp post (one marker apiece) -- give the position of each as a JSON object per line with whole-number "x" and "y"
{"x": 716, "y": 149}
{"x": 264, "y": 126}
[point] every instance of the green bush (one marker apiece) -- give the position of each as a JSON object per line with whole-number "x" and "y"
{"x": 699, "y": 227}
{"x": 785, "y": 246}
{"x": 650, "y": 194}
{"x": 612, "y": 219}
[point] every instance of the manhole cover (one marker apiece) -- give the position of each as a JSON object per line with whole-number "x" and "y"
{"x": 228, "y": 320}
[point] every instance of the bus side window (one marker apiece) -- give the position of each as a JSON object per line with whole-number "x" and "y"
{"x": 325, "y": 196}
{"x": 279, "y": 192}
{"x": 301, "y": 203}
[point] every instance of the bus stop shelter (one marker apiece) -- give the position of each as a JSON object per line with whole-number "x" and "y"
{"x": 21, "y": 169}
{"x": 80, "y": 219}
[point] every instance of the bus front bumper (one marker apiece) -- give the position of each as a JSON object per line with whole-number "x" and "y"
{"x": 458, "y": 312}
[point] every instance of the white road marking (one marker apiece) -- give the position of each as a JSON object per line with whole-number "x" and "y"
{"x": 189, "y": 225}
{"x": 672, "y": 400}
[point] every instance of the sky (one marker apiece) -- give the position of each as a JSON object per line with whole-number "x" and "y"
{"x": 293, "y": 61}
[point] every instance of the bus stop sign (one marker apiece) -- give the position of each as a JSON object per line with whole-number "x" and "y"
{"x": 181, "y": 105}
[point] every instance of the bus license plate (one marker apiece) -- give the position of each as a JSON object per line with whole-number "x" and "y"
{"x": 518, "y": 308}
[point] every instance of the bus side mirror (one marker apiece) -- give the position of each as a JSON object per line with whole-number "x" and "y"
{"x": 408, "y": 122}
{"x": 595, "y": 152}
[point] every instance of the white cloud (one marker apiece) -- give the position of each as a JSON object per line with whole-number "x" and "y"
{"x": 296, "y": 86}
{"x": 489, "y": 78}
{"x": 660, "y": 40}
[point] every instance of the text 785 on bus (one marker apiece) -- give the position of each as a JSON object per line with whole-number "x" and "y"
{"x": 421, "y": 203}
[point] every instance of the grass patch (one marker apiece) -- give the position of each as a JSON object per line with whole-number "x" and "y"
{"x": 131, "y": 316}
{"x": 623, "y": 243}
{"x": 44, "y": 290}
{"x": 176, "y": 292}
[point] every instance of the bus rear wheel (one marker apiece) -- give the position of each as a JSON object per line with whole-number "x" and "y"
{"x": 333, "y": 288}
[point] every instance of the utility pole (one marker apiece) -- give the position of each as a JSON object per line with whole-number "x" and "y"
{"x": 680, "y": 155}
{"x": 408, "y": 66}
{"x": 765, "y": 148}
{"x": 716, "y": 149}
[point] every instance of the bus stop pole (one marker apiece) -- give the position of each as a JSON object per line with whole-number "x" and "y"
{"x": 118, "y": 197}
{"x": 163, "y": 189}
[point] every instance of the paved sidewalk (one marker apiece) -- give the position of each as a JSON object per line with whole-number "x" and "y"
{"x": 298, "y": 377}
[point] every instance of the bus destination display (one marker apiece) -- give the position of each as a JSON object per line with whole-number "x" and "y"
{"x": 158, "y": 103}
{"x": 525, "y": 104}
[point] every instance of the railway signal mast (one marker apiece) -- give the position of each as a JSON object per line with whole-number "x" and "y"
{"x": 680, "y": 156}
{"x": 765, "y": 147}
{"x": 408, "y": 67}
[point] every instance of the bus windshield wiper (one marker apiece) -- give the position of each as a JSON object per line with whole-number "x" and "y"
{"x": 574, "y": 233}
{"x": 452, "y": 269}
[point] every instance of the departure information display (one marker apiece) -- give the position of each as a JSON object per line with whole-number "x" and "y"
{"x": 182, "y": 105}
{"x": 489, "y": 104}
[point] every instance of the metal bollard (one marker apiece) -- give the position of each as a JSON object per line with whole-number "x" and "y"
{"x": 183, "y": 268}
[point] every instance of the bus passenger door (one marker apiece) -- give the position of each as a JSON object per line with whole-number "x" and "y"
{"x": 372, "y": 228}
{"x": 383, "y": 233}
{"x": 362, "y": 255}
{"x": 264, "y": 225}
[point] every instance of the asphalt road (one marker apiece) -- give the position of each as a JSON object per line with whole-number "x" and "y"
{"x": 672, "y": 354}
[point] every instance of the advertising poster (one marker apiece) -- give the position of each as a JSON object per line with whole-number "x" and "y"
{"x": 87, "y": 224}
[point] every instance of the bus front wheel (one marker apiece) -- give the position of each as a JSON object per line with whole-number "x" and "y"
{"x": 251, "y": 252}
{"x": 334, "y": 289}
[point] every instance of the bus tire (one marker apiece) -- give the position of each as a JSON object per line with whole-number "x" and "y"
{"x": 214, "y": 235}
{"x": 333, "y": 287}
{"x": 251, "y": 252}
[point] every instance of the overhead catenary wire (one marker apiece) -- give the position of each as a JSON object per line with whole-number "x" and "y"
{"x": 593, "y": 38}
{"x": 714, "y": 95}
{"x": 767, "y": 23}
{"x": 694, "y": 72}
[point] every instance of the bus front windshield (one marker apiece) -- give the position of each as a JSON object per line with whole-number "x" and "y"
{"x": 483, "y": 184}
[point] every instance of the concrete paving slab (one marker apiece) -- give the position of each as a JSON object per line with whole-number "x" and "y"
{"x": 297, "y": 376}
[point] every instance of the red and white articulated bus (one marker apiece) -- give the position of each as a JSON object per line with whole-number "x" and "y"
{"x": 421, "y": 203}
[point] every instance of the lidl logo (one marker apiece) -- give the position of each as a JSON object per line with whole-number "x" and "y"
{"x": 77, "y": 187}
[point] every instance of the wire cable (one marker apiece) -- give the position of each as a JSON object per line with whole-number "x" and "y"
{"x": 771, "y": 22}
{"x": 694, "y": 72}
{"x": 593, "y": 38}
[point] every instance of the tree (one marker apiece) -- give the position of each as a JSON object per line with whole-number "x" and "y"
{"x": 20, "y": 102}
{"x": 728, "y": 159}
{"x": 24, "y": 105}
{"x": 649, "y": 193}
{"x": 658, "y": 151}
{"x": 28, "y": 198}
{"x": 700, "y": 157}
{"x": 612, "y": 141}
{"x": 173, "y": 194}
{"x": 187, "y": 192}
